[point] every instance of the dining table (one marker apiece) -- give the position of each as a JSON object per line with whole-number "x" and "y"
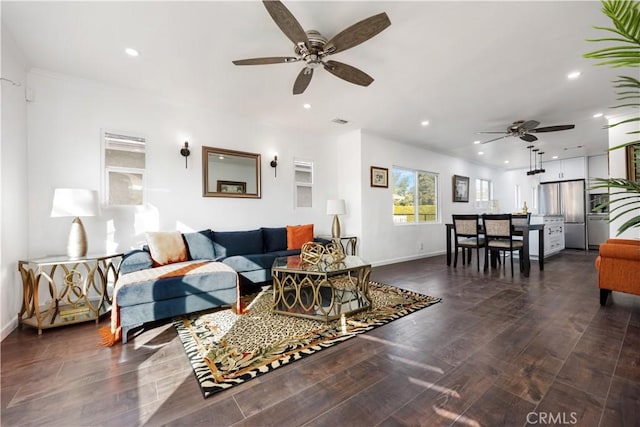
{"x": 518, "y": 230}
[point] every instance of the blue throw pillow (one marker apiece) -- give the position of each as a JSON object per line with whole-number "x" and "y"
{"x": 200, "y": 244}
{"x": 275, "y": 239}
{"x": 229, "y": 243}
{"x": 137, "y": 259}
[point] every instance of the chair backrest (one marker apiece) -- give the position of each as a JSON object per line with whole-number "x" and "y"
{"x": 465, "y": 225}
{"x": 497, "y": 226}
{"x": 521, "y": 219}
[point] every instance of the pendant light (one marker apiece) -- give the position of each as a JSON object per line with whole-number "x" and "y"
{"x": 531, "y": 171}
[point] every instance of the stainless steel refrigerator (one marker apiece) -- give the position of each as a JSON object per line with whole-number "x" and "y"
{"x": 566, "y": 198}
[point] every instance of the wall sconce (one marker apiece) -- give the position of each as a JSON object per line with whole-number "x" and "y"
{"x": 274, "y": 165}
{"x": 184, "y": 151}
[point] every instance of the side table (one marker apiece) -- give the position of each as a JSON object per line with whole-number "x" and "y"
{"x": 349, "y": 243}
{"x": 77, "y": 289}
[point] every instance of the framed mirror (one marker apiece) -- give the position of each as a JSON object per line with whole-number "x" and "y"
{"x": 230, "y": 173}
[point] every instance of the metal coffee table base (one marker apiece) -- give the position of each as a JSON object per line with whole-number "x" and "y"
{"x": 321, "y": 296}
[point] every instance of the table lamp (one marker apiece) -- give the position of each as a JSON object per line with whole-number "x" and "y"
{"x": 336, "y": 207}
{"x": 75, "y": 202}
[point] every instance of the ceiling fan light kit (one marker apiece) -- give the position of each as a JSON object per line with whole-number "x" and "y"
{"x": 312, "y": 47}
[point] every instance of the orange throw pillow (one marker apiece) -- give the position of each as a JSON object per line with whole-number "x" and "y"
{"x": 298, "y": 235}
{"x": 166, "y": 247}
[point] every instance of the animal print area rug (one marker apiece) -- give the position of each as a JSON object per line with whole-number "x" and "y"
{"x": 226, "y": 349}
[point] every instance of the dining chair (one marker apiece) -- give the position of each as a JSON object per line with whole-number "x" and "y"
{"x": 465, "y": 228}
{"x": 498, "y": 234}
{"x": 520, "y": 219}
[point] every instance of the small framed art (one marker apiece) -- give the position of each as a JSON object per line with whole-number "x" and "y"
{"x": 460, "y": 188}
{"x": 379, "y": 177}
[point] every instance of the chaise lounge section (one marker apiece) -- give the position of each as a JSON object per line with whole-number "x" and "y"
{"x": 177, "y": 273}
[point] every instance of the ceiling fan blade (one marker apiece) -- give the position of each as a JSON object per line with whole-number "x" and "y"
{"x": 287, "y": 22}
{"x": 495, "y": 139}
{"x": 267, "y": 60}
{"x": 528, "y": 125}
{"x": 357, "y": 33}
{"x": 303, "y": 80}
{"x": 528, "y": 137}
{"x": 553, "y": 128}
{"x": 348, "y": 73}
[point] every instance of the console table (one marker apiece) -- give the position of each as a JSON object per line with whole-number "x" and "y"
{"x": 77, "y": 289}
{"x": 349, "y": 243}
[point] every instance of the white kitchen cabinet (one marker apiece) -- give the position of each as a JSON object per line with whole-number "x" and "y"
{"x": 553, "y": 235}
{"x": 565, "y": 169}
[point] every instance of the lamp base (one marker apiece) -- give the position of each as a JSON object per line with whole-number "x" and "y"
{"x": 77, "y": 243}
{"x": 335, "y": 228}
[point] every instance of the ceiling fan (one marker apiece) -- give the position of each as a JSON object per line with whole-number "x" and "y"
{"x": 523, "y": 130}
{"x": 312, "y": 47}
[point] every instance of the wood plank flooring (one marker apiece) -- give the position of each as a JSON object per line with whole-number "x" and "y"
{"x": 497, "y": 351}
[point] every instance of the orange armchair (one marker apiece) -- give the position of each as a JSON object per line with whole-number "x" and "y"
{"x": 618, "y": 267}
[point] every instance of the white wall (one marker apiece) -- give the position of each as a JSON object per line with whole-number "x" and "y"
{"x": 383, "y": 241}
{"x": 13, "y": 182}
{"x": 618, "y": 169}
{"x": 64, "y": 149}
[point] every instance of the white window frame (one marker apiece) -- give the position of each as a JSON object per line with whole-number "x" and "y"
{"x": 300, "y": 165}
{"x": 479, "y": 182}
{"x": 124, "y": 138}
{"x": 416, "y": 207}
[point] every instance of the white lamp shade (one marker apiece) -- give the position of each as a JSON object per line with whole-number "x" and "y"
{"x": 74, "y": 202}
{"x": 336, "y": 207}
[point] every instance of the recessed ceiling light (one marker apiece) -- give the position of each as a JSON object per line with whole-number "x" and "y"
{"x": 595, "y": 116}
{"x": 476, "y": 142}
{"x": 573, "y": 75}
{"x": 480, "y": 153}
{"x": 131, "y": 52}
{"x": 554, "y": 157}
{"x": 506, "y": 162}
{"x": 425, "y": 123}
{"x": 306, "y": 106}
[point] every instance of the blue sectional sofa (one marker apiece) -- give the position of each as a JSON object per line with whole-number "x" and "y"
{"x": 218, "y": 264}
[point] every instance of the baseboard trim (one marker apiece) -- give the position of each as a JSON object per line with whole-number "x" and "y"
{"x": 406, "y": 258}
{"x": 10, "y": 327}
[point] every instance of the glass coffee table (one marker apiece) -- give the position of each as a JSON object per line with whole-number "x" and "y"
{"x": 324, "y": 291}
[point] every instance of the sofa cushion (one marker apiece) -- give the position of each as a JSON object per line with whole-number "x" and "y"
{"x": 230, "y": 243}
{"x": 135, "y": 260}
{"x": 242, "y": 263}
{"x": 173, "y": 281}
{"x": 200, "y": 244}
{"x": 166, "y": 247}
{"x": 275, "y": 239}
{"x": 298, "y": 235}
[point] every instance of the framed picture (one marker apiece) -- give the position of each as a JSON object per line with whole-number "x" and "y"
{"x": 460, "y": 188}
{"x": 379, "y": 177}
{"x": 232, "y": 187}
{"x": 633, "y": 162}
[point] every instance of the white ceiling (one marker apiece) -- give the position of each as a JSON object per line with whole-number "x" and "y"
{"x": 464, "y": 66}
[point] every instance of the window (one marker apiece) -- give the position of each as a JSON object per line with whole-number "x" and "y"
{"x": 124, "y": 169}
{"x": 415, "y": 196}
{"x": 517, "y": 198}
{"x": 303, "y": 181}
{"x": 484, "y": 190}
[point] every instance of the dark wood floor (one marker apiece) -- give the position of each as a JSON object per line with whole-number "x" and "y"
{"x": 496, "y": 351}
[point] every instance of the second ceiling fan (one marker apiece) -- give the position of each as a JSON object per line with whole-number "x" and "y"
{"x": 312, "y": 47}
{"x": 523, "y": 130}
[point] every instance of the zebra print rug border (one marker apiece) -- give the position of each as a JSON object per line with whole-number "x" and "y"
{"x": 226, "y": 349}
